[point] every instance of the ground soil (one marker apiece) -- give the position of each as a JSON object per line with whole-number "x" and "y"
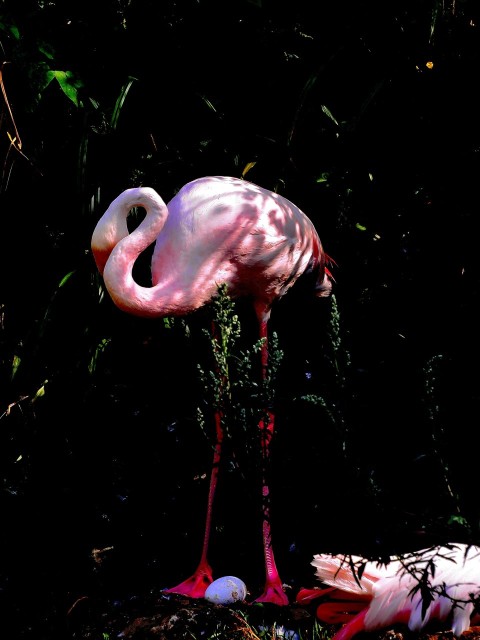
{"x": 161, "y": 616}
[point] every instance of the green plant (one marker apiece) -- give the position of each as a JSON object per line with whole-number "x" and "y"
{"x": 232, "y": 384}
{"x": 337, "y": 358}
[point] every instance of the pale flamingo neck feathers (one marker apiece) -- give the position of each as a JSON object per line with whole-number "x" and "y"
{"x": 112, "y": 227}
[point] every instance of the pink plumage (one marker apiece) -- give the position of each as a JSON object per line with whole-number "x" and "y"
{"x": 215, "y": 231}
{"x": 397, "y": 592}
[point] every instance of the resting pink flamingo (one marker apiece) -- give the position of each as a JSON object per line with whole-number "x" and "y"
{"x": 441, "y": 583}
{"x": 215, "y": 230}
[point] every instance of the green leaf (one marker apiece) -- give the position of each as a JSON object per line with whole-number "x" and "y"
{"x": 102, "y": 345}
{"x": 455, "y": 519}
{"x": 120, "y": 101}
{"x": 47, "y": 50}
{"x": 15, "y": 364}
{"x": 69, "y": 85}
{"x": 208, "y": 103}
{"x": 40, "y": 392}
{"x": 65, "y": 278}
{"x": 168, "y": 323}
{"x": 328, "y": 113}
{"x": 48, "y": 76}
{"x": 10, "y": 28}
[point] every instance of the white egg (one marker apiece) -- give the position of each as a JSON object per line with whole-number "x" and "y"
{"x": 226, "y": 590}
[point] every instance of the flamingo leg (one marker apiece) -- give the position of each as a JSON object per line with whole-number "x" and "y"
{"x": 340, "y": 607}
{"x": 197, "y": 583}
{"x": 273, "y": 591}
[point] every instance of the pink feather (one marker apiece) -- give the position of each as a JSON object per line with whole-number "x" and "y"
{"x": 391, "y": 591}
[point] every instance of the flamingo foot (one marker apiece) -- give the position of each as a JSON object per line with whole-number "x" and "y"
{"x": 274, "y": 594}
{"x": 196, "y": 585}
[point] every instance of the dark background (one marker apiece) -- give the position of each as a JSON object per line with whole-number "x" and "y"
{"x": 340, "y": 112}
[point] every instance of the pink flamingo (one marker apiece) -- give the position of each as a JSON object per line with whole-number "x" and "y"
{"x": 215, "y": 230}
{"x": 439, "y": 583}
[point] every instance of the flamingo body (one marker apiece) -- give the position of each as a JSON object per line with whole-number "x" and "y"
{"x": 215, "y": 231}
{"x": 386, "y": 594}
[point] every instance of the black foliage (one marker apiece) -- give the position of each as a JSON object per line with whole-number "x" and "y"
{"x": 365, "y": 114}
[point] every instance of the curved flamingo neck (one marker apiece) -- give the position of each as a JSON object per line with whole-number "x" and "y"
{"x": 116, "y": 251}
{"x": 112, "y": 227}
